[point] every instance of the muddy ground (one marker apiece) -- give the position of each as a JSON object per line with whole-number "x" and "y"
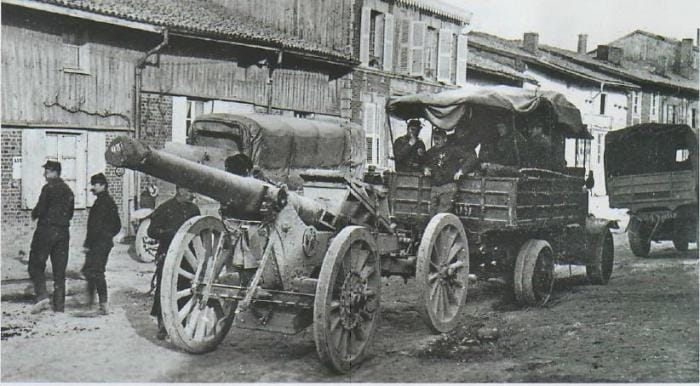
{"x": 641, "y": 327}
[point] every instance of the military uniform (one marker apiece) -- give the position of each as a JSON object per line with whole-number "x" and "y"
{"x": 505, "y": 150}
{"x": 444, "y": 162}
{"x": 54, "y": 210}
{"x": 165, "y": 221}
{"x": 102, "y": 225}
{"x": 407, "y": 157}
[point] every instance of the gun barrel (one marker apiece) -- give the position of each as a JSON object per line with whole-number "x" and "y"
{"x": 243, "y": 194}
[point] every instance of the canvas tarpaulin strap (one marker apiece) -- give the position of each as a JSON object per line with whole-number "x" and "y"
{"x": 447, "y": 108}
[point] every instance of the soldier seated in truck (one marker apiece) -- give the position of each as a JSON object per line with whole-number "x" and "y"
{"x": 446, "y": 164}
{"x": 409, "y": 150}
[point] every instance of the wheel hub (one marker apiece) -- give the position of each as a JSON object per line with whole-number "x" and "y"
{"x": 353, "y": 299}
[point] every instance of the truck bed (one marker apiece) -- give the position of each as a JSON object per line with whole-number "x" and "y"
{"x": 652, "y": 190}
{"x": 492, "y": 203}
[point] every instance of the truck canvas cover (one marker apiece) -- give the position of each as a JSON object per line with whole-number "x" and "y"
{"x": 446, "y": 109}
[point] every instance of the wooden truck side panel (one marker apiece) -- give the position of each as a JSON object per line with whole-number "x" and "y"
{"x": 652, "y": 190}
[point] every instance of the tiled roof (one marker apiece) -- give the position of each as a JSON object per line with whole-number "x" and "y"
{"x": 651, "y": 35}
{"x": 439, "y": 8}
{"x": 478, "y": 62}
{"x": 544, "y": 58}
{"x": 198, "y": 17}
{"x": 636, "y": 71}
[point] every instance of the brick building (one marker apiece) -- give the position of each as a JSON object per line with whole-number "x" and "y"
{"x": 76, "y": 74}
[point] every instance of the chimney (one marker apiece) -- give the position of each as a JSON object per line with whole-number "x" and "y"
{"x": 582, "y": 43}
{"x": 610, "y": 54}
{"x": 660, "y": 66}
{"x": 685, "y": 58}
{"x": 530, "y": 41}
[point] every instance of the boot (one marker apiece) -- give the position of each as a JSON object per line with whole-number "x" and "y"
{"x": 162, "y": 332}
{"x": 40, "y": 306}
{"x": 104, "y": 310}
{"x": 59, "y": 298}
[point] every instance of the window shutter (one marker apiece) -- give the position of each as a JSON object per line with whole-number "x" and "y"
{"x": 84, "y": 57}
{"x": 462, "y": 50}
{"x": 81, "y": 181}
{"x": 379, "y": 129}
{"x": 33, "y": 156}
{"x": 418, "y": 29}
{"x": 378, "y": 38}
{"x": 369, "y": 123}
{"x": 388, "y": 59}
{"x": 365, "y": 24}
{"x": 444, "y": 55}
{"x": 405, "y": 35}
{"x": 179, "y": 122}
{"x": 95, "y": 160}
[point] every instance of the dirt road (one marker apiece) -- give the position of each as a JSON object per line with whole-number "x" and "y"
{"x": 641, "y": 327}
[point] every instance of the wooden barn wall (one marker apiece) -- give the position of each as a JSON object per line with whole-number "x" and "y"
{"x": 36, "y": 89}
{"x": 326, "y": 23}
{"x": 211, "y": 78}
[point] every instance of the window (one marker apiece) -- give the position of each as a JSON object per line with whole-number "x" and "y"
{"x": 80, "y": 153}
{"x": 694, "y": 117}
{"x": 654, "y": 107}
{"x": 431, "y": 53}
{"x": 76, "y": 52}
{"x": 186, "y": 110}
{"x": 603, "y": 97}
{"x": 682, "y": 155}
{"x": 671, "y": 114}
{"x": 599, "y": 147}
{"x": 445, "y": 63}
{"x": 376, "y": 39}
{"x": 635, "y": 103}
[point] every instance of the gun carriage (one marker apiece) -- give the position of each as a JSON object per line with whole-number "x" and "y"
{"x": 283, "y": 259}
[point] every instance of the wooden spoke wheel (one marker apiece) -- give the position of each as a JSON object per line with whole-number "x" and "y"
{"x": 599, "y": 272}
{"x": 145, "y": 246}
{"x": 533, "y": 277}
{"x": 196, "y": 322}
{"x": 346, "y": 308}
{"x": 640, "y": 244}
{"x": 442, "y": 272}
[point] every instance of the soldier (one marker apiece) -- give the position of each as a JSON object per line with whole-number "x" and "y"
{"x": 102, "y": 225}
{"x": 54, "y": 210}
{"x": 165, "y": 221}
{"x": 446, "y": 164}
{"x": 409, "y": 149}
{"x": 505, "y": 149}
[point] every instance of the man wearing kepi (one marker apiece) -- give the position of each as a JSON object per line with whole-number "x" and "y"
{"x": 409, "y": 149}
{"x": 165, "y": 221}
{"x": 54, "y": 210}
{"x": 102, "y": 225}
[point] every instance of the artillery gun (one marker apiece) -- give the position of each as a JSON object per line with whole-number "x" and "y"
{"x": 288, "y": 261}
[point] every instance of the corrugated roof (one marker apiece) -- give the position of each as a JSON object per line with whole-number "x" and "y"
{"x": 636, "y": 71}
{"x": 543, "y": 58}
{"x": 198, "y": 17}
{"x": 439, "y": 8}
{"x": 478, "y": 62}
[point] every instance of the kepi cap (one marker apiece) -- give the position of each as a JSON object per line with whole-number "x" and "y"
{"x": 52, "y": 165}
{"x": 439, "y": 132}
{"x": 98, "y": 178}
{"x": 415, "y": 123}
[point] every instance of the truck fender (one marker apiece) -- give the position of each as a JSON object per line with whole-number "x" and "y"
{"x": 596, "y": 230}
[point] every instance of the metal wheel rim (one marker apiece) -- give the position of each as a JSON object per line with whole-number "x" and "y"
{"x": 194, "y": 324}
{"x": 543, "y": 275}
{"x": 443, "y": 271}
{"x": 347, "y": 303}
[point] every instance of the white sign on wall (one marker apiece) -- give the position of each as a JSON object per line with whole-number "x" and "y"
{"x": 16, "y": 168}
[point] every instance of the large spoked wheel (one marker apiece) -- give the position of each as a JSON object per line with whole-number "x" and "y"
{"x": 346, "y": 308}
{"x": 145, "y": 246}
{"x": 533, "y": 278}
{"x": 442, "y": 272}
{"x": 599, "y": 272}
{"x": 639, "y": 240}
{"x": 195, "y": 322}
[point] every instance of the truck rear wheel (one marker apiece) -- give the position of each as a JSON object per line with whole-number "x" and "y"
{"x": 639, "y": 242}
{"x": 680, "y": 241}
{"x": 533, "y": 277}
